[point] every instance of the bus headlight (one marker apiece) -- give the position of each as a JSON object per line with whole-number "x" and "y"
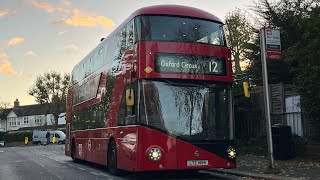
{"x": 231, "y": 152}
{"x": 154, "y": 154}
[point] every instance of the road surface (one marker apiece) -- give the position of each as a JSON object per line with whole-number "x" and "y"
{"x": 50, "y": 163}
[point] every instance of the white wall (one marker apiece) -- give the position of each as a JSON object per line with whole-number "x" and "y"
{"x": 2, "y": 125}
{"x": 13, "y": 116}
{"x": 61, "y": 119}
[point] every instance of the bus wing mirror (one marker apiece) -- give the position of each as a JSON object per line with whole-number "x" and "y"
{"x": 129, "y": 97}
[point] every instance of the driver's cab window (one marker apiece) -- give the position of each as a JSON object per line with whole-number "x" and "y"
{"x": 127, "y": 112}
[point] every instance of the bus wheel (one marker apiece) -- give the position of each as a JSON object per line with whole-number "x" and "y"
{"x": 112, "y": 158}
{"x": 73, "y": 153}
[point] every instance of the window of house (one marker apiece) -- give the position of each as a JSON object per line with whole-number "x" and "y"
{"x": 10, "y": 121}
{"x": 38, "y": 120}
{"x": 18, "y": 121}
{"x": 13, "y": 121}
{"x": 25, "y": 120}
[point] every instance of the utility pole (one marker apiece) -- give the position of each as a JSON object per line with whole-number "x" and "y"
{"x": 271, "y": 168}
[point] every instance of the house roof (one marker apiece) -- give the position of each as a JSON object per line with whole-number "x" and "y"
{"x": 4, "y": 113}
{"x": 30, "y": 110}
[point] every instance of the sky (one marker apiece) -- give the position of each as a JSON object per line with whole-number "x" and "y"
{"x": 38, "y": 36}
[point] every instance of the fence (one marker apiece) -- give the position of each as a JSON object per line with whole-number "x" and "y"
{"x": 285, "y": 109}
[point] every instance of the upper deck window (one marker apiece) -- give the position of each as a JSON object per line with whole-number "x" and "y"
{"x": 179, "y": 29}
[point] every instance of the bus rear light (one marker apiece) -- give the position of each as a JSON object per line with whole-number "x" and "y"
{"x": 154, "y": 154}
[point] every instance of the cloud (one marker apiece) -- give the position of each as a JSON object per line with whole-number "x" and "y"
{"x": 31, "y": 53}
{"x": 70, "y": 48}
{"x": 61, "y": 33}
{"x": 79, "y": 18}
{"x": 51, "y": 8}
{"x": 15, "y": 41}
{"x": 6, "y": 68}
{"x": 4, "y": 12}
{"x": 3, "y": 55}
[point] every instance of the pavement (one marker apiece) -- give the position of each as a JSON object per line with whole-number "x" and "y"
{"x": 255, "y": 166}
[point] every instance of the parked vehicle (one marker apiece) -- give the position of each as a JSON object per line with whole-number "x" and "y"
{"x": 2, "y": 143}
{"x": 39, "y": 137}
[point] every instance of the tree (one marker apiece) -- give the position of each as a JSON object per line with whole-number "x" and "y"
{"x": 298, "y": 21}
{"x": 239, "y": 31}
{"x": 4, "y": 105}
{"x": 51, "y": 89}
{"x": 304, "y": 57}
{"x": 278, "y": 71}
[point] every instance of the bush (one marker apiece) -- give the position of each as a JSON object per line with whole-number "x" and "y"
{"x": 2, "y": 135}
{"x": 18, "y": 136}
{"x": 254, "y": 146}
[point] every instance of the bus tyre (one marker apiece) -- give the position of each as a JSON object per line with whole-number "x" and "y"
{"x": 112, "y": 158}
{"x": 73, "y": 153}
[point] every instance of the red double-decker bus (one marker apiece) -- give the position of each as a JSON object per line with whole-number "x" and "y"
{"x": 155, "y": 95}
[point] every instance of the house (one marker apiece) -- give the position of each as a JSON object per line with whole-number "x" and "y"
{"x": 27, "y": 117}
{"x": 3, "y": 117}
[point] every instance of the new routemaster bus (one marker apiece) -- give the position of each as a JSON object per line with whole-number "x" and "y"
{"x": 155, "y": 95}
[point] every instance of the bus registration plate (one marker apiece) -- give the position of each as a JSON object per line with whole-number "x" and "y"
{"x": 197, "y": 162}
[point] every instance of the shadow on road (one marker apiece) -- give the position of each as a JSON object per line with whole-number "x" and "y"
{"x": 153, "y": 174}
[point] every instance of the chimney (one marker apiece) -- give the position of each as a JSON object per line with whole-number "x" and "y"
{"x": 16, "y": 103}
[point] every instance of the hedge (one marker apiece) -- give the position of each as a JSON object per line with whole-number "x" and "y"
{"x": 2, "y": 135}
{"x": 18, "y": 136}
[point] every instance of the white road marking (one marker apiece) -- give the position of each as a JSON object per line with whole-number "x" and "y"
{"x": 106, "y": 175}
{"x": 94, "y": 173}
{"x": 81, "y": 168}
{"x": 36, "y": 162}
{"x": 1, "y": 151}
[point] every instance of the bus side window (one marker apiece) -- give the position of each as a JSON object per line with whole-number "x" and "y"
{"x": 141, "y": 28}
{"x": 122, "y": 111}
{"x": 129, "y": 34}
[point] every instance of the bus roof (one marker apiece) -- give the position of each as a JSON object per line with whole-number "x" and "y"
{"x": 175, "y": 10}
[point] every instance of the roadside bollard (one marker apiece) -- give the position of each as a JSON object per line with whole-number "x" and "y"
{"x": 53, "y": 140}
{"x": 26, "y": 140}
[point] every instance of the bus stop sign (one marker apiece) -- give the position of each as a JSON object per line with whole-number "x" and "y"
{"x": 273, "y": 43}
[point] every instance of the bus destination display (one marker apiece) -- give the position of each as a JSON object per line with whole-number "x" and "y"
{"x": 189, "y": 64}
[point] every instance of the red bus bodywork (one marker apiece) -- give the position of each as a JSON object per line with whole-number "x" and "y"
{"x": 133, "y": 141}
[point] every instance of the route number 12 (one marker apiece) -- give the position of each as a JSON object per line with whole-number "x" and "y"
{"x": 213, "y": 67}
